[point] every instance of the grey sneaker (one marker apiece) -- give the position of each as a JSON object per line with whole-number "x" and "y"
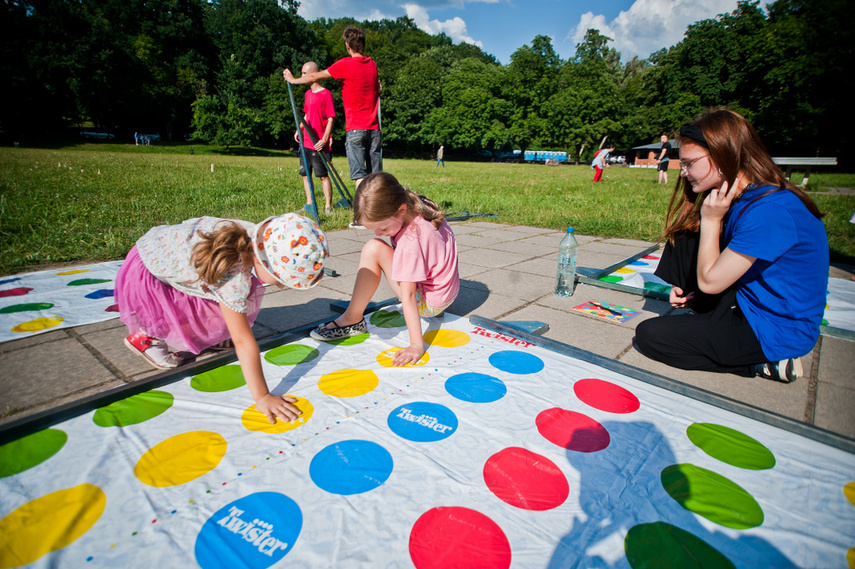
{"x": 328, "y": 211}
{"x": 324, "y": 334}
{"x": 785, "y": 371}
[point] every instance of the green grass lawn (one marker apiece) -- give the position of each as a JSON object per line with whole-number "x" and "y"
{"x": 91, "y": 202}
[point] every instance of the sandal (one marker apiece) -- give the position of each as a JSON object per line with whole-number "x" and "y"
{"x": 324, "y": 334}
{"x": 791, "y": 368}
{"x": 222, "y": 346}
{"x": 155, "y": 351}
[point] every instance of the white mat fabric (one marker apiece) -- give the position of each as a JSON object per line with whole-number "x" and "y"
{"x": 492, "y": 453}
{"x": 33, "y": 303}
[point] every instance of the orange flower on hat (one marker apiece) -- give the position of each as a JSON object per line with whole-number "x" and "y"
{"x": 293, "y": 243}
{"x": 285, "y": 259}
{"x": 303, "y": 240}
{"x": 317, "y": 266}
{"x": 267, "y": 233}
{"x": 301, "y": 269}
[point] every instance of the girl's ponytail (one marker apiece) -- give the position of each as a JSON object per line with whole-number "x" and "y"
{"x": 220, "y": 251}
{"x": 427, "y": 208}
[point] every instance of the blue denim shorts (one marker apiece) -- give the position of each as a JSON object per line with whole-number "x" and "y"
{"x": 363, "y": 152}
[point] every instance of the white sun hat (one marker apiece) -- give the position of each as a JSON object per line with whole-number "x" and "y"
{"x": 292, "y": 248}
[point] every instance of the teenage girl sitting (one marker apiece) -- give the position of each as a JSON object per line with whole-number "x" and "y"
{"x": 189, "y": 287}
{"x": 746, "y": 250}
{"x": 420, "y": 266}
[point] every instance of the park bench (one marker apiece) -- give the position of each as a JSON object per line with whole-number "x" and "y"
{"x": 806, "y": 163}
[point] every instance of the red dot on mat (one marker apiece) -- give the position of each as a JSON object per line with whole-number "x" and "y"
{"x": 606, "y": 396}
{"x": 572, "y": 430}
{"x": 525, "y": 479}
{"x": 458, "y": 537}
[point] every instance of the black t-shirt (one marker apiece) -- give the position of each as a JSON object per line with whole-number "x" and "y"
{"x": 667, "y": 147}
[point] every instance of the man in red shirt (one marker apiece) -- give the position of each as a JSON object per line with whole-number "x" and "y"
{"x": 319, "y": 115}
{"x": 360, "y": 91}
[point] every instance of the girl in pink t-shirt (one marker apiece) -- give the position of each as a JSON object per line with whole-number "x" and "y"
{"x": 420, "y": 265}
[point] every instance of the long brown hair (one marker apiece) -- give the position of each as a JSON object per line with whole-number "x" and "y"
{"x": 736, "y": 149}
{"x": 380, "y": 195}
{"x": 220, "y": 251}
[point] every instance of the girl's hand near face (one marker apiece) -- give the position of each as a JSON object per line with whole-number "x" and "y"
{"x": 718, "y": 200}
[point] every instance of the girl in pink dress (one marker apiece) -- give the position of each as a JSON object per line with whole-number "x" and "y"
{"x": 420, "y": 265}
{"x": 190, "y": 286}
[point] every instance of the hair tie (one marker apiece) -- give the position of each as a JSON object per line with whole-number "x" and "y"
{"x": 692, "y": 132}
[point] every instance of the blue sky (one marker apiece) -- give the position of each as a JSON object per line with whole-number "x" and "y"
{"x": 500, "y": 27}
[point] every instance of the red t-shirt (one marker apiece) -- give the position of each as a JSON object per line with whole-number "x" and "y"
{"x": 318, "y": 108}
{"x": 360, "y": 91}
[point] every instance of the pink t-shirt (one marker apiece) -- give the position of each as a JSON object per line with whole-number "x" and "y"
{"x": 360, "y": 91}
{"x": 318, "y": 108}
{"x": 426, "y": 255}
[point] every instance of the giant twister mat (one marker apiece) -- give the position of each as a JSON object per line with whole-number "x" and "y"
{"x": 33, "y": 303}
{"x": 492, "y": 452}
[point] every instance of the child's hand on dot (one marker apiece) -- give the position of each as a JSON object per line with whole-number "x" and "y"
{"x": 409, "y": 355}
{"x": 278, "y": 406}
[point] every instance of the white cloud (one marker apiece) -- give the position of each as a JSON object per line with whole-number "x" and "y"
{"x": 455, "y": 28}
{"x": 650, "y": 25}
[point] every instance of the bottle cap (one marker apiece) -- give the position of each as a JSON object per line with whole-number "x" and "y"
{"x": 570, "y": 230}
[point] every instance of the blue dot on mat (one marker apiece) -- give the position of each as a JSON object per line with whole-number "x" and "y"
{"x": 351, "y": 467}
{"x": 254, "y": 531}
{"x": 476, "y": 387}
{"x": 638, "y": 264}
{"x": 512, "y": 361}
{"x": 103, "y": 293}
{"x": 423, "y": 422}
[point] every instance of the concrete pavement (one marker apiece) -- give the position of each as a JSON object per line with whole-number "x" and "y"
{"x": 507, "y": 274}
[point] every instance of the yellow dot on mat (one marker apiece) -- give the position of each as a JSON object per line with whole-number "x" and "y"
{"x": 74, "y": 272}
{"x": 386, "y": 358}
{"x": 348, "y": 382}
{"x": 255, "y": 420}
{"x": 49, "y": 523}
{"x": 39, "y": 324}
{"x": 446, "y": 338}
{"x": 181, "y": 458}
{"x": 849, "y": 492}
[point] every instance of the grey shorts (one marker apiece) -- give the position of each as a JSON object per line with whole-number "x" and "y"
{"x": 364, "y": 154}
{"x": 316, "y": 163}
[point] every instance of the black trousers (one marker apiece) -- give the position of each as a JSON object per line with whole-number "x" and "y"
{"x": 716, "y": 336}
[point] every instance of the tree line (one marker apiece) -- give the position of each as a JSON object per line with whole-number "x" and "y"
{"x": 214, "y": 69}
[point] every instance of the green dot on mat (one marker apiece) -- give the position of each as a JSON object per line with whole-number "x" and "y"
{"x": 712, "y": 496}
{"x": 27, "y": 452}
{"x": 223, "y": 378}
{"x": 730, "y": 446}
{"x": 134, "y": 409}
{"x": 25, "y": 307}
{"x": 388, "y": 319}
{"x": 350, "y": 341}
{"x": 824, "y": 322}
{"x": 611, "y": 279}
{"x": 657, "y": 287}
{"x": 663, "y": 546}
{"x": 291, "y": 354}
{"x": 81, "y": 282}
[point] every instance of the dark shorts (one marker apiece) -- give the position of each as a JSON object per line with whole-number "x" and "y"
{"x": 663, "y": 165}
{"x": 316, "y": 163}
{"x": 364, "y": 154}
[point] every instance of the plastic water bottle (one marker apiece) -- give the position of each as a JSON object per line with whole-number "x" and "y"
{"x": 566, "y": 277}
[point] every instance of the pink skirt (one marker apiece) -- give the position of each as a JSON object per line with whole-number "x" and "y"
{"x": 186, "y": 323}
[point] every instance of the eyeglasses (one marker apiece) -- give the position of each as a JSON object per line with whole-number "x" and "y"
{"x": 686, "y": 164}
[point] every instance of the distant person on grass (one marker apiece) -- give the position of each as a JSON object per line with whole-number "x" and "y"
{"x": 360, "y": 92}
{"x": 601, "y": 161}
{"x": 319, "y": 114}
{"x": 746, "y": 250}
{"x": 439, "y": 156}
{"x": 420, "y": 265}
{"x": 191, "y": 287}
{"x": 664, "y": 160}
